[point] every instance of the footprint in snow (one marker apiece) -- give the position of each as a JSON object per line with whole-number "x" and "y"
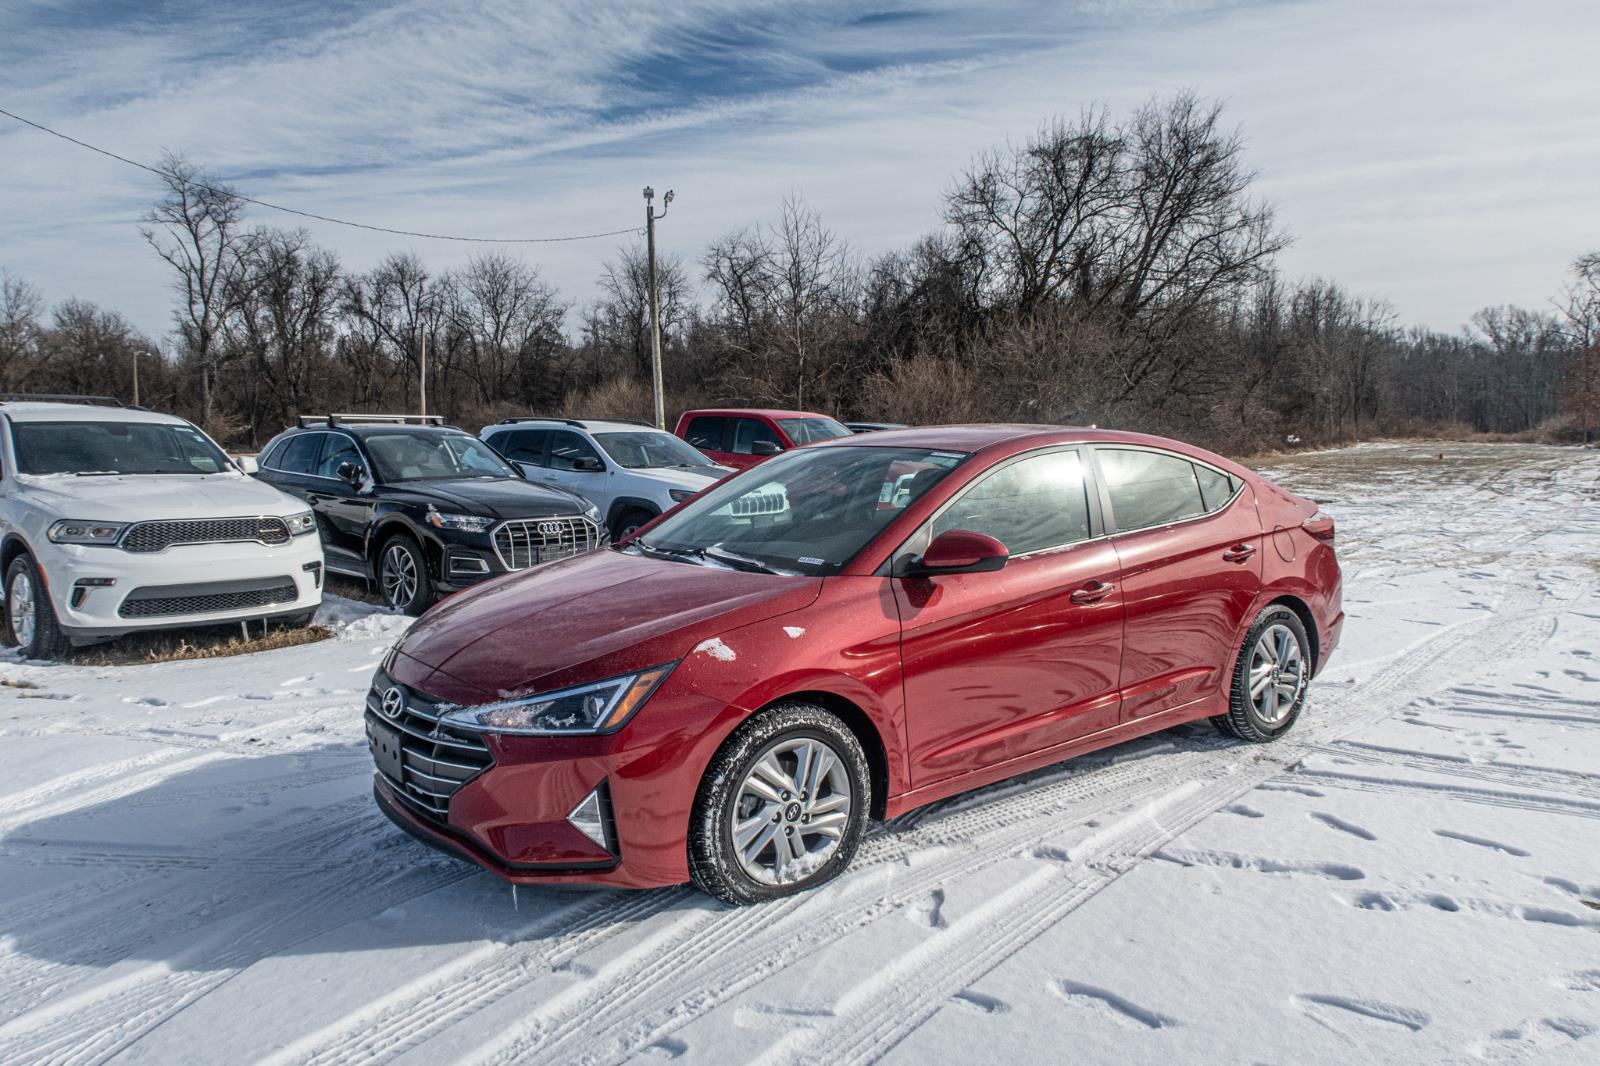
{"x": 1582, "y": 981}
{"x": 1533, "y": 1038}
{"x": 1244, "y": 810}
{"x": 147, "y": 701}
{"x": 1482, "y": 842}
{"x": 1109, "y": 1005}
{"x": 929, "y": 910}
{"x": 1334, "y": 822}
{"x": 668, "y": 1047}
{"x": 1332, "y": 1012}
{"x": 980, "y": 1002}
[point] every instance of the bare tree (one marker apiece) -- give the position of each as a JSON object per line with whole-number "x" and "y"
{"x": 20, "y": 308}
{"x": 1581, "y": 310}
{"x": 196, "y": 229}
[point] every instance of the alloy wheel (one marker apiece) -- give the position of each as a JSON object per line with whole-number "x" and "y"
{"x": 791, "y": 810}
{"x": 20, "y": 608}
{"x": 1278, "y": 673}
{"x": 399, "y": 576}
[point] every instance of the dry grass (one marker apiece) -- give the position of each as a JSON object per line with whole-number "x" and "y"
{"x": 210, "y": 642}
{"x": 352, "y": 589}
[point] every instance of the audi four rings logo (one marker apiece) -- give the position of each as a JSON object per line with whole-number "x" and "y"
{"x": 550, "y": 529}
{"x": 394, "y": 701}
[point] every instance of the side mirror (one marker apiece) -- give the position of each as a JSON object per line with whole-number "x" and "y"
{"x": 246, "y": 463}
{"x": 588, "y": 464}
{"x": 960, "y": 551}
{"x": 352, "y": 473}
{"x": 764, "y": 447}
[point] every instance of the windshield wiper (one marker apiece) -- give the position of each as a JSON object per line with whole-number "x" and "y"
{"x": 737, "y": 562}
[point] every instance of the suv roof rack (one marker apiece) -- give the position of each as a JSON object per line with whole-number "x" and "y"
{"x": 65, "y": 397}
{"x": 350, "y": 419}
{"x": 581, "y": 423}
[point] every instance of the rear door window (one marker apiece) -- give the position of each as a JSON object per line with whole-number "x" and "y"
{"x": 1035, "y": 503}
{"x": 708, "y": 433}
{"x": 1216, "y": 488}
{"x": 746, "y": 431}
{"x": 523, "y": 445}
{"x": 300, "y": 457}
{"x": 1150, "y": 488}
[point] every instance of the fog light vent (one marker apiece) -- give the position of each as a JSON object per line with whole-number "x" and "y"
{"x": 589, "y": 818}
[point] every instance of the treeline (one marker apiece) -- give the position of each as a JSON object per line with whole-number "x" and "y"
{"x": 1115, "y": 271}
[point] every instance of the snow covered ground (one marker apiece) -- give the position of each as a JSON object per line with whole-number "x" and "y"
{"x": 191, "y": 868}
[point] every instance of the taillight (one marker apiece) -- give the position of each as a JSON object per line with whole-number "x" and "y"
{"x": 1320, "y": 525}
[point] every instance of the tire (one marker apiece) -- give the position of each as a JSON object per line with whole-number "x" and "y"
{"x": 407, "y": 587}
{"x": 1276, "y": 643}
{"x": 777, "y": 737}
{"x": 628, "y": 521}
{"x": 33, "y": 630}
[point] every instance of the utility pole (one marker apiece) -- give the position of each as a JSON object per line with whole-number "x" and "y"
{"x": 136, "y": 354}
{"x": 422, "y": 378}
{"x": 650, "y": 217}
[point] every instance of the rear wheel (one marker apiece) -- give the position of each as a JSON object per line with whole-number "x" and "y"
{"x": 1270, "y": 678}
{"x": 782, "y": 807}
{"x": 403, "y": 579}
{"x": 30, "y": 621}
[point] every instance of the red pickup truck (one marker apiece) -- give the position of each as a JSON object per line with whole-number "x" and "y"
{"x": 743, "y": 437}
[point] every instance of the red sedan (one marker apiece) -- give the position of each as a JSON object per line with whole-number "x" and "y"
{"x": 844, "y": 633}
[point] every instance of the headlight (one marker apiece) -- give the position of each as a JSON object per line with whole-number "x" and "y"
{"x": 679, "y": 495}
{"x": 466, "y": 523}
{"x": 79, "y": 531}
{"x": 303, "y": 522}
{"x": 592, "y": 513}
{"x": 601, "y": 707}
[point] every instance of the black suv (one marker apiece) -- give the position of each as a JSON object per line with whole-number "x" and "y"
{"x": 421, "y": 509}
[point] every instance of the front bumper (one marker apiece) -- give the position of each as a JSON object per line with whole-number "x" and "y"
{"x": 182, "y": 587}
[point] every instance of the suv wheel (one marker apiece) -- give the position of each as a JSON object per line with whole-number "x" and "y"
{"x": 782, "y": 806}
{"x": 403, "y": 576}
{"x": 628, "y": 521}
{"x": 1270, "y": 678}
{"x": 30, "y": 620}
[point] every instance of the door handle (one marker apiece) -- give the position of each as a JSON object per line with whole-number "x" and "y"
{"x": 1239, "y": 553}
{"x": 1093, "y": 592}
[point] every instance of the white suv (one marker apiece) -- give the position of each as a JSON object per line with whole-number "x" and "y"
{"x": 630, "y": 470}
{"x": 118, "y": 519}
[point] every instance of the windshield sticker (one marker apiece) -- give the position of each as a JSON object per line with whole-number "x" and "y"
{"x": 809, "y": 561}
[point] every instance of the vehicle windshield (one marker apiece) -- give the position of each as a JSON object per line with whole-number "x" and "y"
{"x": 89, "y": 448}
{"x": 425, "y": 455}
{"x": 802, "y": 512}
{"x": 638, "y": 449}
{"x": 811, "y": 430}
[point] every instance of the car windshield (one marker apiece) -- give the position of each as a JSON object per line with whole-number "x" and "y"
{"x": 424, "y": 455}
{"x": 811, "y": 430}
{"x": 637, "y": 449}
{"x": 802, "y": 512}
{"x": 89, "y": 448}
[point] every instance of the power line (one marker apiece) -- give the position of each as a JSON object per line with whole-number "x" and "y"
{"x": 165, "y": 176}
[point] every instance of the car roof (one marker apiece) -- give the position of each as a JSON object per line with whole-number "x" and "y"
{"x": 25, "y": 411}
{"x": 763, "y": 412}
{"x": 1016, "y": 438}
{"x": 361, "y": 429}
{"x": 593, "y": 425}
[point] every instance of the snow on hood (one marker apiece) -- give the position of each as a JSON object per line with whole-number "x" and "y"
{"x": 136, "y": 497}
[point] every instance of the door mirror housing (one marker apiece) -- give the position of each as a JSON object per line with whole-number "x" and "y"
{"x": 246, "y": 464}
{"x": 588, "y": 464}
{"x": 764, "y": 447}
{"x": 960, "y": 551}
{"x": 351, "y": 473}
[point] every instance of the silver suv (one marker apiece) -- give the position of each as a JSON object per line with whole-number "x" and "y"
{"x": 631, "y": 471}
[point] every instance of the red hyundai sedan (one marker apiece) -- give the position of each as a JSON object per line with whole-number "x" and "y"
{"x": 848, "y": 631}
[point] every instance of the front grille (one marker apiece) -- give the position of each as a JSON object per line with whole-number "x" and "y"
{"x": 155, "y": 601}
{"x": 158, "y": 536}
{"x": 435, "y": 760}
{"x": 522, "y": 542}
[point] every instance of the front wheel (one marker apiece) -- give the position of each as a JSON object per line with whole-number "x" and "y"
{"x": 403, "y": 576}
{"x": 30, "y": 621}
{"x": 629, "y": 521}
{"x": 1270, "y": 678}
{"x": 782, "y": 807}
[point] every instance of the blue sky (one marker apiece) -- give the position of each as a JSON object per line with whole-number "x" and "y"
{"x": 1436, "y": 153}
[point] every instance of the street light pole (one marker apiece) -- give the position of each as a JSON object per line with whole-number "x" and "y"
{"x": 650, "y": 217}
{"x": 422, "y": 398}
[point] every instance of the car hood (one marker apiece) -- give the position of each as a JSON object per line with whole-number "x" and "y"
{"x": 692, "y": 478}
{"x": 502, "y": 498}
{"x": 585, "y": 618}
{"x": 137, "y": 497}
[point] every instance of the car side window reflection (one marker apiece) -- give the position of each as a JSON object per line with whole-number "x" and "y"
{"x": 1150, "y": 488}
{"x": 1035, "y": 503}
{"x": 567, "y": 448}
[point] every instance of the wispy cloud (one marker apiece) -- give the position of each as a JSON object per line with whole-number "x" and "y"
{"x": 1407, "y": 170}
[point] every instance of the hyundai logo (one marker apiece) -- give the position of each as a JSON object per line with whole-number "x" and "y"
{"x": 394, "y": 701}
{"x": 550, "y": 529}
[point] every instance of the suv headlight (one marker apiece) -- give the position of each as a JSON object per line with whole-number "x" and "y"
{"x": 80, "y": 531}
{"x": 301, "y": 522}
{"x": 600, "y": 707}
{"x": 592, "y": 513}
{"x": 466, "y": 523}
{"x": 679, "y": 495}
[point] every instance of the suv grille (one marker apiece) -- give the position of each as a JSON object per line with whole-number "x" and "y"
{"x": 522, "y": 542}
{"x": 435, "y": 760}
{"x": 157, "y": 536}
{"x": 154, "y": 601}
